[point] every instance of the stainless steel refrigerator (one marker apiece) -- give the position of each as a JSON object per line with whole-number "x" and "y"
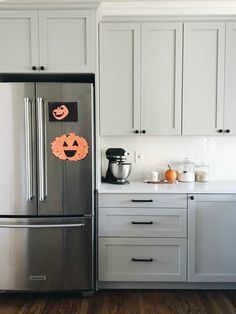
{"x": 47, "y": 182}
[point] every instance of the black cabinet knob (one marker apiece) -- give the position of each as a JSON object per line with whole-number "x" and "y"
{"x": 42, "y": 68}
{"x": 227, "y": 131}
{"x": 192, "y": 197}
{"x": 34, "y": 68}
{"x": 220, "y": 131}
{"x": 136, "y": 131}
{"x": 143, "y": 131}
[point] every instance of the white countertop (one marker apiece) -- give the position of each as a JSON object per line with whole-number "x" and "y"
{"x": 195, "y": 187}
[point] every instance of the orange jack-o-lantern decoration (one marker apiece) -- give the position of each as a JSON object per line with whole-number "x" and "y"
{"x": 70, "y": 147}
{"x": 60, "y": 112}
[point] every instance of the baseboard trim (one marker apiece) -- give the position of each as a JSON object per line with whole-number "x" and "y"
{"x": 165, "y": 285}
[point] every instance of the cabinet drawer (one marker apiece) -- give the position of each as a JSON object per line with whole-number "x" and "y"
{"x": 141, "y": 200}
{"x": 142, "y": 259}
{"x": 142, "y": 222}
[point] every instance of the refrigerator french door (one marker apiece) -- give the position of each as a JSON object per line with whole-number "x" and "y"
{"x": 47, "y": 183}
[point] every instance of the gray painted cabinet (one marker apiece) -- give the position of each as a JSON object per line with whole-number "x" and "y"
{"x": 140, "y": 78}
{"x": 119, "y": 78}
{"x": 230, "y": 79}
{"x": 138, "y": 243}
{"x": 209, "y": 75}
{"x": 142, "y": 89}
{"x": 19, "y": 40}
{"x": 67, "y": 40}
{"x": 58, "y": 40}
{"x": 203, "y": 78}
{"x": 161, "y": 78}
{"x": 212, "y": 238}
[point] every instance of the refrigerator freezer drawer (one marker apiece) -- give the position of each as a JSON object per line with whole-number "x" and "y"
{"x": 46, "y": 254}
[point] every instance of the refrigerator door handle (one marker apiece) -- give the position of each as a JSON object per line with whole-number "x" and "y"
{"x": 41, "y": 148}
{"x": 43, "y": 226}
{"x": 28, "y": 148}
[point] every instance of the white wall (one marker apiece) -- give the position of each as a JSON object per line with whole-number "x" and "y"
{"x": 218, "y": 151}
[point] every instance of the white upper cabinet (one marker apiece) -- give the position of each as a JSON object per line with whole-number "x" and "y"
{"x": 161, "y": 78}
{"x": 19, "y": 41}
{"x": 140, "y": 78}
{"x": 67, "y": 40}
{"x": 230, "y": 79}
{"x": 119, "y": 78}
{"x": 47, "y": 40}
{"x": 203, "y": 78}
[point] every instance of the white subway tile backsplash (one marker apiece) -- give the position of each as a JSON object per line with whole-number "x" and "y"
{"x": 217, "y": 151}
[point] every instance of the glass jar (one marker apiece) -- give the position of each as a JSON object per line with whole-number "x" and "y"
{"x": 186, "y": 171}
{"x": 202, "y": 173}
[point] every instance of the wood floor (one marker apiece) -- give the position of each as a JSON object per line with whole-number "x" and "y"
{"x": 122, "y": 302}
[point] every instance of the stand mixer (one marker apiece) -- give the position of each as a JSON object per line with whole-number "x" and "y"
{"x": 118, "y": 170}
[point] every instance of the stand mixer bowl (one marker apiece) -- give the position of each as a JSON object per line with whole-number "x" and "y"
{"x": 121, "y": 171}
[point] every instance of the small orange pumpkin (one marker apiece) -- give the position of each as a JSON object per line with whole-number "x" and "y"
{"x": 70, "y": 147}
{"x": 60, "y": 112}
{"x": 170, "y": 174}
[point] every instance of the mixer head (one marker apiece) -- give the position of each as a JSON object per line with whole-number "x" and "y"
{"x": 116, "y": 154}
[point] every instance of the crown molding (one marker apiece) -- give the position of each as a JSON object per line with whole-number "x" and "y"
{"x": 48, "y": 4}
{"x": 106, "y": 10}
{"x": 182, "y": 8}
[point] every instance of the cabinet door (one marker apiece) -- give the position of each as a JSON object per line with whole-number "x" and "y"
{"x": 212, "y": 238}
{"x": 19, "y": 41}
{"x": 203, "y": 78}
{"x": 67, "y": 40}
{"x": 161, "y": 79}
{"x": 119, "y": 78}
{"x": 230, "y": 78}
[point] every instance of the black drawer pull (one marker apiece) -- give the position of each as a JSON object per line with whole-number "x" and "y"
{"x": 142, "y": 222}
{"x": 142, "y": 259}
{"x": 142, "y": 201}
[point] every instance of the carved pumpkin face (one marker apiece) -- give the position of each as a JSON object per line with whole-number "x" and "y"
{"x": 70, "y": 147}
{"x": 60, "y": 112}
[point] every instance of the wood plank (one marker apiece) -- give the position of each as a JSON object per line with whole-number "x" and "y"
{"x": 123, "y": 302}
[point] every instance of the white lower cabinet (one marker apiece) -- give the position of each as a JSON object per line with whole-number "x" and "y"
{"x": 142, "y": 259}
{"x": 138, "y": 243}
{"x": 169, "y": 243}
{"x": 143, "y": 222}
{"x": 212, "y": 238}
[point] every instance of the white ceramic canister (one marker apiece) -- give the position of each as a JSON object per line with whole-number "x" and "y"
{"x": 154, "y": 176}
{"x": 188, "y": 176}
